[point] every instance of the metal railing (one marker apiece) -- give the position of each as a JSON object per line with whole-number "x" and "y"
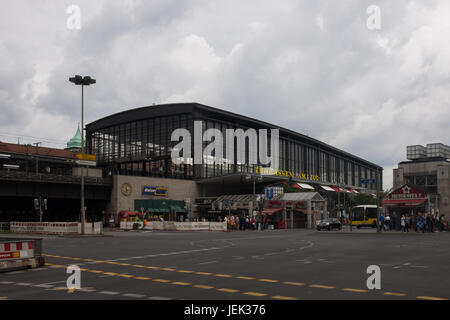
{"x": 56, "y": 178}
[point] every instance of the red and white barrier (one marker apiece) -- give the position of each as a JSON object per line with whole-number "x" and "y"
{"x": 57, "y": 228}
{"x": 20, "y": 254}
{"x": 176, "y": 226}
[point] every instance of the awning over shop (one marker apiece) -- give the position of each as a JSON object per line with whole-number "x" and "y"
{"x": 337, "y": 189}
{"x": 404, "y": 202}
{"x": 327, "y": 188}
{"x": 160, "y": 206}
{"x": 305, "y": 186}
{"x": 269, "y": 212}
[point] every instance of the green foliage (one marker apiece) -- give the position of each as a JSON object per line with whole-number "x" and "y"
{"x": 363, "y": 199}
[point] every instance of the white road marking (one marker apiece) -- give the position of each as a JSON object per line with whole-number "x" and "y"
{"x": 134, "y": 295}
{"x": 44, "y": 286}
{"x": 24, "y": 284}
{"x": 158, "y": 298}
{"x": 210, "y": 262}
{"x": 6, "y": 282}
{"x": 110, "y": 293}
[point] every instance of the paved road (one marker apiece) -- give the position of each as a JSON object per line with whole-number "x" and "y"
{"x": 275, "y": 265}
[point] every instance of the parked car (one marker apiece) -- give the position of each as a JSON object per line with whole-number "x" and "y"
{"x": 329, "y": 224}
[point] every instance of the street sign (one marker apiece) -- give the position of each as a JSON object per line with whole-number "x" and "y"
{"x": 86, "y": 163}
{"x": 86, "y": 157}
{"x": 368, "y": 181}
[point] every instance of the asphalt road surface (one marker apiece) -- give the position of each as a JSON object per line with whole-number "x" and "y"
{"x": 251, "y": 265}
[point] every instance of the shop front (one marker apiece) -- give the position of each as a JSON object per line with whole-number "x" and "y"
{"x": 407, "y": 200}
{"x": 296, "y": 210}
{"x": 161, "y": 209}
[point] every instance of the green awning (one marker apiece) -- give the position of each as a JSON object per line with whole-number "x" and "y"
{"x": 156, "y": 206}
{"x": 178, "y": 209}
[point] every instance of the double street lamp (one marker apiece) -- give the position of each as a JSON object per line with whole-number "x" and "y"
{"x": 82, "y": 81}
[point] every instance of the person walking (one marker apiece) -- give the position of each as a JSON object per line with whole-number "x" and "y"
{"x": 407, "y": 223}
{"x": 388, "y": 223}
{"x": 403, "y": 223}
{"x": 382, "y": 221}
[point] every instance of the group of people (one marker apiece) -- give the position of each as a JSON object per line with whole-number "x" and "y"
{"x": 242, "y": 223}
{"x": 420, "y": 223}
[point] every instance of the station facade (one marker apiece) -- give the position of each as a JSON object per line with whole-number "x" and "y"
{"x": 135, "y": 148}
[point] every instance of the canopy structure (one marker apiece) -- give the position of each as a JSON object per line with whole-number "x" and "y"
{"x": 271, "y": 211}
{"x": 302, "y": 196}
{"x": 160, "y": 206}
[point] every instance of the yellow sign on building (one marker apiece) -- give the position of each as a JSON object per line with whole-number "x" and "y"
{"x": 87, "y": 157}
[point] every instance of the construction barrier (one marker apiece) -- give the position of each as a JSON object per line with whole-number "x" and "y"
{"x": 20, "y": 253}
{"x": 55, "y": 228}
{"x": 175, "y": 226}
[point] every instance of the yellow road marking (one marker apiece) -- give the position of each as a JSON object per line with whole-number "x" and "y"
{"x": 245, "y": 278}
{"x": 143, "y": 278}
{"x": 228, "y": 290}
{"x": 82, "y": 269}
{"x": 181, "y": 283}
{"x": 125, "y": 264}
{"x": 138, "y": 266}
{"x": 268, "y": 280}
{"x": 355, "y": 290}
{"x": 161, "y": 280}
{"x": 431, "y": 298}
{"x": 3, "y": 298}
{"x": 294, "y": 283}
{"x": 224, "y": 275}
{"x": 125, "y": 275}
{"x": 321, "y": 286}
{"x": 95, "y": 271}
{"x": 204, "y": 273}
{"x": 185, "y": 271}
{"x": 112, "y": 263}
{"x": 168, "y": 269}
{"x": 283, "y": 298}
{"x": 201, "y": 286}
{"x": 111, "y": 274}
{"x": 255, "y": 294}
{"x": 153, "y": 268}
{"x": 394, "y": 294}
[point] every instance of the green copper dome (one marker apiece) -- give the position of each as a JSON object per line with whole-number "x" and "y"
{"x": 75, "y": 142}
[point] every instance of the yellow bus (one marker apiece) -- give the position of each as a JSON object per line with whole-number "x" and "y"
{"x": 364, "y": 216}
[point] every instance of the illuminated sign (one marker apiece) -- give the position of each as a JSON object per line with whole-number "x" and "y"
{"x": 86, "y": 157}
{"x": 288, "y": 174}
{"x": 155, "y": 191}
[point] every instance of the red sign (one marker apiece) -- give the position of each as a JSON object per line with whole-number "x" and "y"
{"x": 406, "y": 193}
{"x": 9, "y": 255}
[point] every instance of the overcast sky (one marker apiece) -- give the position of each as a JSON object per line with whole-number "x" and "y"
{"x": 311, "y": 66}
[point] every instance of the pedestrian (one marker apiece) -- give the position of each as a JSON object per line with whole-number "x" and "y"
{"x": 421, "y": 224}
{"x": 388, "y": 223}
{"x": 429, "y": 223}
{"x": 403, "y": 223}
{"x": 382, "y": 221}
{"x": 407, "y": 223}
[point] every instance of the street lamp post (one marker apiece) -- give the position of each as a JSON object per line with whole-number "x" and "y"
{"x": 82, "y": 81}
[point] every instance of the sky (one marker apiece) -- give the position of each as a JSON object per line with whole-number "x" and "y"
{"x": 368, "y": 83}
